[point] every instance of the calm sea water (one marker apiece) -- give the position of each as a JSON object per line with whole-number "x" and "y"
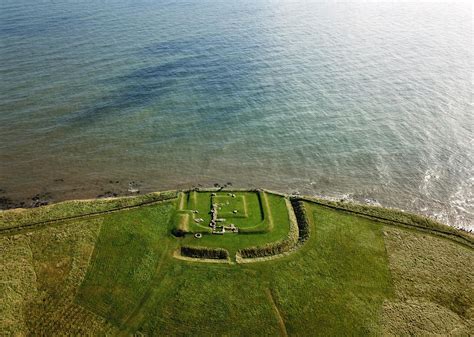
{"x": 365, "y": 100}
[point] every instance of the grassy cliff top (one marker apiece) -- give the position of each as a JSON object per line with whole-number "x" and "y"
{"x": 110, "y": 266}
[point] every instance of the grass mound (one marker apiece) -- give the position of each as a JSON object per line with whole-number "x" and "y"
{"x": 205, "y": 253}
{"x": 285, "y": 245}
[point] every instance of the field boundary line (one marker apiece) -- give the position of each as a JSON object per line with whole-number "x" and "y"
{"x": 146, "y": 295}
{"x": 34, "y": 225}
{"x": 281, "y": 321}
{"x": 434, "y": 231}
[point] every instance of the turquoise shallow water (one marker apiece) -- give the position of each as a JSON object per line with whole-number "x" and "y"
{"x": 365, "y": 100}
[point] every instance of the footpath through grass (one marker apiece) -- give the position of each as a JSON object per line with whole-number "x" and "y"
{"x": 126, "y": 258}
{"x": 337, "y": 283}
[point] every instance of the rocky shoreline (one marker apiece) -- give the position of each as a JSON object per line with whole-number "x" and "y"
{"x": 107, "y": 189}
{"x": 57, "y": 190}
{"x": 111, "y": 189}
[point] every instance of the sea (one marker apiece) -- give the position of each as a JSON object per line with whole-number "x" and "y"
{"x": 363, "y": 101}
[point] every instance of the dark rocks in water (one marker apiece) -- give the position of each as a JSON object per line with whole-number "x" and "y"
{"x": 133, "y": 187}
{"x": 41, "y": 196}
{"x": 42, "y": 199}
{"x": 108, "y": 194}
{"x": 219, "y": 186}
{"x": 6, "y": 203}
{"x": 371, "y": 201}
{"x": 60, "y": 180}
{"x": 39, "y": 203}
{"x": 38, "y": 200}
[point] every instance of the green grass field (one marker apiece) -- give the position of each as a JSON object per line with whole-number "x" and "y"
{"x": 258, "y": 224}
{"x": 116, "y": 274}
{"x": 130, "y": 247}
{"x": 229, "y": 204}
{"x": 250, "y": 216}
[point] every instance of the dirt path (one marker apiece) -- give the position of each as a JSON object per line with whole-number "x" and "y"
{"x": 133, "y": 319}
{"x": 281, "y": 322}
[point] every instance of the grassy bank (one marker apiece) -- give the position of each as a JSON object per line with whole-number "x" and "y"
{"x": 397, "y": 217}
{"x": 68, "y": 210}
